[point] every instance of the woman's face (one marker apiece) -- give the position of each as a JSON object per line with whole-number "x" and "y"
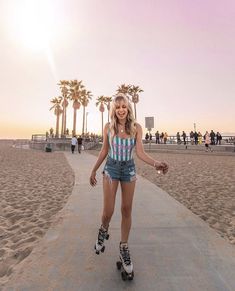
{"x": 121, "y": 110}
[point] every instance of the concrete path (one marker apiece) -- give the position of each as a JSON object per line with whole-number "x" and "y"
{"x": 172, "y": 249}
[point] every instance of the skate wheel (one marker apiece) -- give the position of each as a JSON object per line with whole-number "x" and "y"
{"x": 131, "y": 276}
{"x": 119, "y": 265}
{"x": 107, "y": 236}
{"x": 103, "y": 248}
{"x": 96, "y": 251}
{"x": 123, "y": 273}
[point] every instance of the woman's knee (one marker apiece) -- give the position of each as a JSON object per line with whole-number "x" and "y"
{"x": 126, "y": 211}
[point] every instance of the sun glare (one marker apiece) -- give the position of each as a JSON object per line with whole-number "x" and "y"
{"x": 31, "y": 23}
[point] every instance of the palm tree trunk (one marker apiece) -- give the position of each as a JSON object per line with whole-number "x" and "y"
{"x": 74, "y": 120}
{"x": 83, "y": 120}
{"x": 135, "y": 110}
{"x": 65, "y": 115}
{"x": 102, "y": 115}
{"x": 57, "y": 125}
{"x": 62, "y": 126}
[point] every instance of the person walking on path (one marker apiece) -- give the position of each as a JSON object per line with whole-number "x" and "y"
{"x": 79, "y": 140}
{"x": 73, "y": 143}
{"x": 178, "y": 138}
{"x": 199, "y": 138}
{"x": 165, "y": 137}
{"x": 208, "y": 141}
{"x": 212, "y": 136}
{"x": 146, "y": 137}
{"x": 157, "y": 135}
{"x": 218, "y": 138}
{"x": 191, "y": 134}
{"x": 184, "y": 137}
{"x": 121, "y": 136}
{"x": 195, "y": 138}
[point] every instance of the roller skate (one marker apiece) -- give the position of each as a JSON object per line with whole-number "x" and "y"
{"x": 102, "y": 235}
{"x": 124, "y": 264}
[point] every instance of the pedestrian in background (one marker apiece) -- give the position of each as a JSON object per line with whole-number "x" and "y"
{"x": 73, "y": 143}
{"x": 157, "y": 136}
{"x": 208, "y": 141}
{"x": 184, "y": 137}
{"x": 165, "y": 137}
{"x": 79, "y": 140}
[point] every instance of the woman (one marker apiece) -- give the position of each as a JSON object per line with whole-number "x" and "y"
{"x": 208, "y": 141}
{"x": 121, "y": 135}
{"x": 199, "y": 138}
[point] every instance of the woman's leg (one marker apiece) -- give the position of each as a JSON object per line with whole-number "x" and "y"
{"x": 109, "y": 195}
{"x": 128, "y": 189}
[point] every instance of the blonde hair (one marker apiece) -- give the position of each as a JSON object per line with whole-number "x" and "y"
{"x": 130, "y": 125}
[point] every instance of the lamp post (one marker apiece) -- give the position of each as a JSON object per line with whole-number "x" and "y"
{"x": 86, "y": 121}
{"x": 194, "y": 126}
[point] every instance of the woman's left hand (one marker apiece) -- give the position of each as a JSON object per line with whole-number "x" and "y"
{"x": 161, "y": 166}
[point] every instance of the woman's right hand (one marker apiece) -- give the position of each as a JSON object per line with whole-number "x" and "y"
{"x": 93, "y": 180}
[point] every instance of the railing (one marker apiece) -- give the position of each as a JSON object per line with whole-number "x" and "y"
{"x": 21, "y": 143}
{"x": 44, "y": 137}
{"x": 39, "y": 137}
{"x": 42, "y": 142}
{"x": 172, "y": 139}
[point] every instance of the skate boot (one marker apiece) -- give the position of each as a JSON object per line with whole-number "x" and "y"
{"x": 102, "y": 235}
{"x": 125, "y": 262}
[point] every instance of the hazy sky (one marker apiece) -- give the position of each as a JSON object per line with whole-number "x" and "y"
{"x": 180, "y": 52}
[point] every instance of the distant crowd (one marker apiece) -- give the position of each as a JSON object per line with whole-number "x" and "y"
{"x": 87, "y": 137}
{"x": 194, "y": 138}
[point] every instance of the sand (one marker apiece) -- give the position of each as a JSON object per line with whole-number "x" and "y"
{"x": 35, "y": 185}
{"x": 203, "y": 182}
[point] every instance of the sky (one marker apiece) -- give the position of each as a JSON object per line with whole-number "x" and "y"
{"x": 180, "y": 52}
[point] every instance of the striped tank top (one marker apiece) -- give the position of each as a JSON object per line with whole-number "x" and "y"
{"x": 121, "y": 149}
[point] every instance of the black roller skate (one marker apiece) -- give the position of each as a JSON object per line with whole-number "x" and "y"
{"x": 125, "y": 264}
{"x": 102, "y": 235}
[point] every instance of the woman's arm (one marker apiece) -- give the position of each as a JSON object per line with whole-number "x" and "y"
{"x": 141, "y": 154}
{"x": 102, "y": 155}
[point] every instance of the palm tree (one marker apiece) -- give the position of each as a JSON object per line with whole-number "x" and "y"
{"x": 86, "y": 96}
{"x": 134, "y": 93}
{"x": 124, "y": 89}
{"x": 75, "y": 95}
{"x": 101, "y": 101}
{"x": 107, "y": 103}
{"x": 57, "y": 111}
{"x": 65, "y": 95}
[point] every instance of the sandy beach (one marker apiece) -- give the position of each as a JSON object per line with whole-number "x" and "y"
{"x": 34, "y": 187}
{"x": 203, "y": 182}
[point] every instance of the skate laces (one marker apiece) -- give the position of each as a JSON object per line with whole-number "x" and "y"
{"x": 125, "y": 253}
{"x": 101, "y": 235}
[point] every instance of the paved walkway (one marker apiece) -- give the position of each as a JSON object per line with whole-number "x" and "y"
{"x": 172, "y": 249}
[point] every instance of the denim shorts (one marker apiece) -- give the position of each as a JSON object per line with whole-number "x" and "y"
{"x": 123, "y": 171}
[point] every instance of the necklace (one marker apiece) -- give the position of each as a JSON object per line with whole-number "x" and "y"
{"x": 121, "y": 129}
